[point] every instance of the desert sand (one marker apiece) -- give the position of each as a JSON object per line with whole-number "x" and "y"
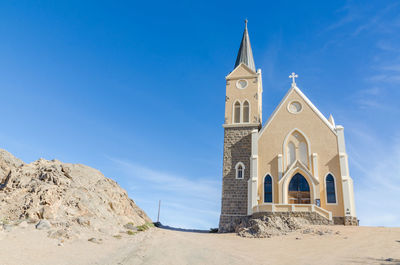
{"x": 54, "y": 213}
{"x": 351, "y": 245}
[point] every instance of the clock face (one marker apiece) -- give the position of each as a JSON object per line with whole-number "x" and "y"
{"x": 241, "y": 84}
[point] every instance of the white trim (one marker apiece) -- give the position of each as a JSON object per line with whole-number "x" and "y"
{"x": 263, "y": 189}
{"x": 236, "y": 168}
{"x": 241, "y": 112}
{"x": 251, "y": 72}
{"x": 241, "y": 125}
{"x": 298, "y": 165}
{"x": 242, "y": 116}
{"x": 241, "y": 88}
{"x": 233, "y": 112}
{"x": 252, "y": 185}
{"x": 326, "y": 190}
{"x": 284, "y": 148}
{"x": 308, "y": 102}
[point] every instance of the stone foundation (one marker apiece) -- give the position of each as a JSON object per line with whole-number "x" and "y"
{"x": 312, "y": 217}
{"x": 348, "y": 220}
{"x": 230, "y": 223}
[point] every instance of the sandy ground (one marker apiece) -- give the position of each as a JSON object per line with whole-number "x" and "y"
{"x": 352, "y": 245}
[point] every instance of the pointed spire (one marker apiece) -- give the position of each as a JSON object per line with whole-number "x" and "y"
{"x": 245, "y": 55}
{"x": 332, "y": 121}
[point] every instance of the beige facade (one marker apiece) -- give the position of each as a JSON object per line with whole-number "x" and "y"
{"x": 295, "y": 162}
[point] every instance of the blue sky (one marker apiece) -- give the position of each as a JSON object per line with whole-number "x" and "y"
{"x": 136, "y": 89}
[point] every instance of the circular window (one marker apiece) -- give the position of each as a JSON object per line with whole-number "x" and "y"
{"x": 294, "y": 107}
{"x": 241, "y": 84}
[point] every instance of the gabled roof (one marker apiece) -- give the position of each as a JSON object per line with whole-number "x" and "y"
{"x": 245, "y": 54}
{"x": 236, "y": 72}
{"x": 306, "y": 100}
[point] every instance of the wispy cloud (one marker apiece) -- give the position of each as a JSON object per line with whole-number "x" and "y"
{"x": 186, "y": 202}
{"x": 376, "y": 170}
{"x": 361, "y": 18}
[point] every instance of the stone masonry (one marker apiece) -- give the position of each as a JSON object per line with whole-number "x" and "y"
{"x": 237, "y": 148}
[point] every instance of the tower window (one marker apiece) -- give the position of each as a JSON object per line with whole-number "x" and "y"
{"x": 239, "y": 170}
{"x": 246, "y": 111}
{"x": 237, "y": 112}
{"x": 330, "y": 189}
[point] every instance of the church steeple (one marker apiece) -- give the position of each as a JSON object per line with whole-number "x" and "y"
{"x": 245, "y": 55}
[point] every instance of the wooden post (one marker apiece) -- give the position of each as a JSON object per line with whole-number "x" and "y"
{"x": 159, "y": 206}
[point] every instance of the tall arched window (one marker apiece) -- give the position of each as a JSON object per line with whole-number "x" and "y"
{"x": 291, "y": 156}
{"x": 239, "y": 170}
{"x": 268, "y": 189}
{"x": 246, "y": 111}
{"x": 296, "y": 147}
{"x": 237, "y": 112}
{"x": 330, "y": 189}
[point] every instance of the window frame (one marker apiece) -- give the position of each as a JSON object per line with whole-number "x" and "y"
{"x": 239, "y": 164}
{"x": 248, "y": 111}
{"x": 234, "y": 112}
{"x": 272, "y": 189}
{"x": 335, "y": 188}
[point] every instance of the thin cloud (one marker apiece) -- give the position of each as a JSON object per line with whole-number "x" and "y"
{"x": 377, "y": 177}
{"x": 186, "y": 202}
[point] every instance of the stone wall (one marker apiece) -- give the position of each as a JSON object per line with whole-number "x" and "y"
{"x": 237, "y": 148}
{"x": 348, "y": 220}
{"x": 312, "y": 217}
{"x": 231, "y": 223}
{"x": 228, "y": 223}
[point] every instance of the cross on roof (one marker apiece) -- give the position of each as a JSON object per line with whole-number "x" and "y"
{"x": 293, "y": 76}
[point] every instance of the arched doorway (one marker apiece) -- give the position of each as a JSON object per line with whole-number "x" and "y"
{"x": 299, "y": 190}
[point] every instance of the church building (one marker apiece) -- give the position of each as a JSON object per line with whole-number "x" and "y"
{"x": 295, "y": 163}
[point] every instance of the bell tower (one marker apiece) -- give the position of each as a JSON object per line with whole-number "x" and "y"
{"x": 243, "y": 119}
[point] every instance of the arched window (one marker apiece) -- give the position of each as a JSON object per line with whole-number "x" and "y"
{"x": 291, "y": 153}
{"x": 236, "y": 114}
{"x": 296, "y": 147}
{"x": 239, "y": 170}
{"x": 246, "y": 111}
{"x": 268, "y": 189}
{"x": 303, "y": 153}
{"x": 299, "y": 190}
{"x": 330, "y": 189}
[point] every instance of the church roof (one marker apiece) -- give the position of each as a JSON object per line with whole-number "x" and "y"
{"x": 295, "y": 89}
{"x": 245, "y": 55}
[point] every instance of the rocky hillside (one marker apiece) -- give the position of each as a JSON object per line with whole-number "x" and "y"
{"x": 68, "y": 196}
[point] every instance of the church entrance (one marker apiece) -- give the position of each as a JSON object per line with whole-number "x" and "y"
{"x": 299, "y": 190}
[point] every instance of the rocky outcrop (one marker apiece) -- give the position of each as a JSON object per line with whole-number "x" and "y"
{"x": 261, "y": 226}
{"x": 267, "y": 226}
{"x": 68, "y": 196}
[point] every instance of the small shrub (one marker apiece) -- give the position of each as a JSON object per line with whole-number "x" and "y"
{"x": 213, "y": 230}
{"x": 144, "y": 227}
{"x": 117, "y": 236}
{"x": 130, "y": 232}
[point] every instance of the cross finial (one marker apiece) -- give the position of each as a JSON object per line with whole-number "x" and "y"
{"x": 245, "y": 22}
{"x": 293, "y": 76}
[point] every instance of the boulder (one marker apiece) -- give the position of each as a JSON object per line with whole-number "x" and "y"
{"x": 43, "y": 224}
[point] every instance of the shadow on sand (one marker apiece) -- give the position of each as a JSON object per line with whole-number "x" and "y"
{"x": 166, "y": 227}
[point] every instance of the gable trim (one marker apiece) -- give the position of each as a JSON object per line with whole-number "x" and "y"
{"x": 306, "y": 100}
{"x": 251, "y": 72}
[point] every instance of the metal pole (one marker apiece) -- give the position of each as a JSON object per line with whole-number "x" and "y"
{"x": 159, "y": 206}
